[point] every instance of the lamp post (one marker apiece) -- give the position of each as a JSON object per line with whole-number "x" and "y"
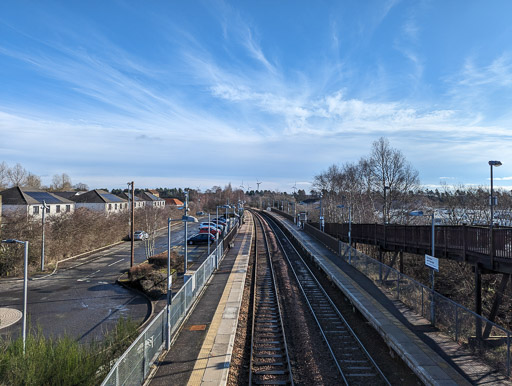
{"x": 169, "y": 285}
{"x": 186, "y": 219}
{"x": 209, "y": 220}
{"x": 432, "y": 305}
{"x": 43, "y": 208}
{"x": 132, "y": 218}
{"x": 217, "y": 236}
{"x": 25, "y": 287}
{"x": 492, "y": 203}
{"x": 349, "y": 231}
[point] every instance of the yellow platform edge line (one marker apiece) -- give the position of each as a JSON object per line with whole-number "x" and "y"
{"x": 202, "y": 360}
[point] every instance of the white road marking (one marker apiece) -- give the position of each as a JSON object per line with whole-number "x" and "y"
{"x": 118, "y": 261}
{"x": 88, "y": 276}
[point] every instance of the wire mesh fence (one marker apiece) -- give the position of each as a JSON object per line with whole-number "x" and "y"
{"x": 134, "y": 365}
{"x": 483, "y": 337}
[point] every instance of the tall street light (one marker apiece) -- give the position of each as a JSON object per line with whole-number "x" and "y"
{"x": 186, "y": 219}
{"x": 492, "y": 200}
{"x": 25, "y": 287}
{"x": 131, "y": 222}
{"x": 349, "y": 231}
{"x": 44, "y": 207}
{"x": 217, "y": 235}
{"x": 420, "y": 213}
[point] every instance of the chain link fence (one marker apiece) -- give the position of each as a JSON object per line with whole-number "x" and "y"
{"x": 483, "y": 337}
{"x": 134, "y": 365}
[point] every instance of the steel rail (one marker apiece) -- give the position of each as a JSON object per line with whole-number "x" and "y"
{"x": 313, "y": 286}
{"x": 269, "y": 360}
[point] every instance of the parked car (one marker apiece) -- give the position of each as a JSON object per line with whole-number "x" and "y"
{"x": 138, "y": 235}
{"x": 199, "y": 213}
{"x": 214, "y": 231}
{"x": 212, "y": 225}
{"x": 221, "y": 222}
{"x": 201, "y": 238}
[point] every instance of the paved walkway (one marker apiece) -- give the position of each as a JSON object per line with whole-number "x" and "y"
{"x": 434, "y": 357}
{"x": 201, "y": 352}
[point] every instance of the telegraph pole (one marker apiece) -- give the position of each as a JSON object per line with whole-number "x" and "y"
{"x": 132, "y": 225}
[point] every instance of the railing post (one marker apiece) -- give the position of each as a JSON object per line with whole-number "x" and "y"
{"x": 144, "y": 357}
{"x": 456, "y": 324}
{"x": 508, "y": 354}
{"x": 422, "y": 302}
{"x": 398, "y": 286}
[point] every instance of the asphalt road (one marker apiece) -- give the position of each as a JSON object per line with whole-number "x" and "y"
{"x": 81, "y": 299}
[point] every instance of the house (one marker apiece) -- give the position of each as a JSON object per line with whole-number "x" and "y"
{"x": 173, "y": 202}
{"x": 100, "y": 201}
{"x": 139, "y": 202}
{"x": 31, "y": 201}
{"x": 152, "y": 200}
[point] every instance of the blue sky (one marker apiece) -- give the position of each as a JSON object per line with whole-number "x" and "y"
{"x": 193, "y": 93}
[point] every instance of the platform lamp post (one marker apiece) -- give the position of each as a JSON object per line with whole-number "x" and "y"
{"x": 433, "y": 231}
{"x": 349, "y": 231}
{"x": 186, "y": 219}
{"x": 492, "y": 201}
{"x": 25, "y": 287}
{"x": 217, "y": 237}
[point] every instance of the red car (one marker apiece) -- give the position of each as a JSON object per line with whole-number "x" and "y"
{"x": 213, "y": 231}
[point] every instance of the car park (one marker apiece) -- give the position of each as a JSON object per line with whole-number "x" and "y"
{"x": 201, "y": 238}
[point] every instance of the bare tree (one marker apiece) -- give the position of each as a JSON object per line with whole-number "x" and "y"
{"x": 17, "y": 175}
{"x": 32, "y": 181}
{"x": 61, "y": 182}
{"x": 3, "y": 175}
{"x": 389, "y": 170}
{"x": 81, "y": 187}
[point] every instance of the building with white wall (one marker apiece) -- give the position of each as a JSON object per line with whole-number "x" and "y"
{"x": 101, "y": 201}
{"x": 31, "y": 201}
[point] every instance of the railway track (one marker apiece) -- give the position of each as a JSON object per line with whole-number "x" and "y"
{"x": 354, "y": 363}
{"x": 269, "y": 359}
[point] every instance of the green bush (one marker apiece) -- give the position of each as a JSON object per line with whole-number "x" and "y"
{"x": 63, "y": 361}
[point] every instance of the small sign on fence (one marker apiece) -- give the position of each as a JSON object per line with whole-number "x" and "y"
{"x": 432, "y": 262}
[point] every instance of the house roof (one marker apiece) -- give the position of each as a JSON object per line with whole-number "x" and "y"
{"x": 20, "y": 196}
{"x": 146, "y": 196}
{"x": 173, "y": 201}
{"x": 68, "y": 195}
{"x": 128, "y": 196}
{"x": 154, "y": 192}
{"x": 97, "y": 196}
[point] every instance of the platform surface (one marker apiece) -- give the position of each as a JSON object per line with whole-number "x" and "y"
{"x": 201, "y": 351}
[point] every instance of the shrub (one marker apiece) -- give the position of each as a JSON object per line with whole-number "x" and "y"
{"x": 63, "y": 361}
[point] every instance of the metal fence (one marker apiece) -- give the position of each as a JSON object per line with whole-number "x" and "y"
{"x": 483, "y": 337}
{"x": 459, "y": 323}
{"x": 133, "y": 366}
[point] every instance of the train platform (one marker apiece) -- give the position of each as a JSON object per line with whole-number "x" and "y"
{"x": 435, "y": 358}
{"x": 201, "y": 351}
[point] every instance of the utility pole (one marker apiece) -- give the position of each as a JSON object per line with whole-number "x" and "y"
{"x": 44, "y": 208}
{"x": 132, "y": 224}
